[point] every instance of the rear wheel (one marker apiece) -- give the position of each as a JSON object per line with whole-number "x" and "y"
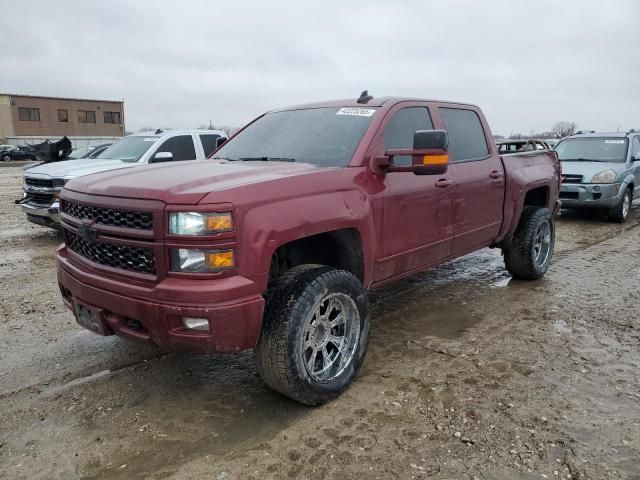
{"x": 531, "y": 249}
{"x": 620, "y": 212}
{"x": 315, "y": 334}
{"x": 6, "y": 158}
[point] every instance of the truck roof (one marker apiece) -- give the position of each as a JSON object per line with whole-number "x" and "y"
{"x": 374, "y": 102}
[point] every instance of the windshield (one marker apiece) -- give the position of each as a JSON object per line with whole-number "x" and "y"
{"x": 79, "y": 153}
{"x": 129, "y": 149}
{"x": 597, "y": 149}
{"x": 326, "y": 137}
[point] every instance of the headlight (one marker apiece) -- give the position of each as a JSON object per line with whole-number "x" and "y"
{"x": 196, "y": 223}
{"x": 608, "y": 176}
{"x": 201, "y": 261}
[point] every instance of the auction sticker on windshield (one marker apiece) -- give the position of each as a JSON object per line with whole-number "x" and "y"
{"x": 358, "y": 112}
{"x": 614, "y": 141}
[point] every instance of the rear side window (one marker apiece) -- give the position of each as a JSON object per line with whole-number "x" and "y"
{"x": 466, "y": 135}
{"x": 181, "y": 147}
{"x": 399, "y": 131}
{"x": 208, "y": 143}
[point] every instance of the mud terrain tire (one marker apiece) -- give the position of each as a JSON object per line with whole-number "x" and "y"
{"x": 299, "y": 352}
{"x": 531, "y": 249}
{"x": 620, "y": 212}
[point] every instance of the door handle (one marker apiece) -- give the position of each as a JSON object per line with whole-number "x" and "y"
{"x": 496, "y": 174}
{"x": 443, "y": 183}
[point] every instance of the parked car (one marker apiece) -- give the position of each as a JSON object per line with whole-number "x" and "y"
{"x": 16, "y": 153}
{"x": 275, "y": 245}
{"x": 91, "y": 151}
{"x": 512, "y": 145}
{"x": 600, "y": 170}
{"x": 42, "y": 183}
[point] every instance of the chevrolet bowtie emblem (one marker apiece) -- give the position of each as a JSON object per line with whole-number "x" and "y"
{"x": 87, "y": 232}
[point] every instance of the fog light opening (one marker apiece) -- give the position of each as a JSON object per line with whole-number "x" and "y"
{"x": 191, "y": 323}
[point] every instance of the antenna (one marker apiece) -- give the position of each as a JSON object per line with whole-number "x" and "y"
{"x": 365, "y": 97}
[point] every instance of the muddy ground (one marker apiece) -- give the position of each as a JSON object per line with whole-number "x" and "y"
{"x": 469, "y": 375}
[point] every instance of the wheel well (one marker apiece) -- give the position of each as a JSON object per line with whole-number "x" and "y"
{"x": 339, "y": 248}
{"x": 537, "y": 197}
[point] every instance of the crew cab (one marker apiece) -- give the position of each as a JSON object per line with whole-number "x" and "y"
{"x": 600, "y": 171}
{"x": 274, "y": 243}
{"x": 42, "y": 183}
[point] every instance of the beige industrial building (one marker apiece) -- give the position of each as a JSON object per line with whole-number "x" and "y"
{"x": 35, "y": 117}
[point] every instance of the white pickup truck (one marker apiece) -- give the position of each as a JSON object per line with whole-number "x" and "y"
{"x": 42, "y": 183}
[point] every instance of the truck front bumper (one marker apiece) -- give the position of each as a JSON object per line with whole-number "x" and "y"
{"x": 234, "y": 324}
{"x": 587, "y": 195}
{"x": 43, "y": 215}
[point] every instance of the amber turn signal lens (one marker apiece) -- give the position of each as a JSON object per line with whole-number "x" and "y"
{"x": 221, "y": 259}
{"x": 219, "y": 222}
{"x": 435, "y": 159}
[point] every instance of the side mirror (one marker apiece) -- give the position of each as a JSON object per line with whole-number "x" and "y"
{"x": 430, "y": 154}
{"x": 161, "y": 157}
{"x": 636, "y": 157}
{"x": 221, "y": 141}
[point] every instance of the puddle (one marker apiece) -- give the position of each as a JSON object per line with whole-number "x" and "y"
{"x": 391, "y": 332}
{"x": 186, "y": 407}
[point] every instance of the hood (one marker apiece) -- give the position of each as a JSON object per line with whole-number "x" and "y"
{"x": 186, "y": 182}
{"x": 589, "y": 169}
{"x": 77, "y": 168}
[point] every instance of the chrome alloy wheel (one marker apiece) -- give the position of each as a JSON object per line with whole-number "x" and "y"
{"x": 542, "y": 244}
{"x": 331, "y": 336}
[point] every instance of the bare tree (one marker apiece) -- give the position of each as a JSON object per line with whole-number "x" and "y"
{"x": 562, "y": 129}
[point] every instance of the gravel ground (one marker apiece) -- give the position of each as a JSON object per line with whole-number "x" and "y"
{"x": 469, "y": 375}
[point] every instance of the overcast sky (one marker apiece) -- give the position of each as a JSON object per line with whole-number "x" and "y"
{"x": 183, "y": 63}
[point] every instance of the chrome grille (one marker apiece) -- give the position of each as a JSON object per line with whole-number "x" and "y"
{"x": 43, "y": 199}
{"x": 109, "y": 216}
{"x": 135, "y": 259}
{"x": 39, "y": 182}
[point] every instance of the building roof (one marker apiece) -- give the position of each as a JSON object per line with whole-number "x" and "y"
{"x": 62, "y": 98}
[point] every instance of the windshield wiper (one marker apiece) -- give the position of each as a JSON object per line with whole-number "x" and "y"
{"x": 584, "y": 160}
{"x": 266, "y": 159}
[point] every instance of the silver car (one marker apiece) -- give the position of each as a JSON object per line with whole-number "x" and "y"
{"x": 42, "y": 183}
{"x": 600, "y": 170}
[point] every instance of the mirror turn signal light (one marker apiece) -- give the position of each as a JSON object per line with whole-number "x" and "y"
{"x": 435, "y": 159}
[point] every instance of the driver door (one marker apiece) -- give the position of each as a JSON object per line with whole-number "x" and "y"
{"x": 417, "y": 225}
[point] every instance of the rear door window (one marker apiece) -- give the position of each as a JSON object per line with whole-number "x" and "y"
{"x": 208, "y": 143}
{"x": 399, "y": 131}
{"x": 466, "y": 135}
{"x": 181, "y": 147}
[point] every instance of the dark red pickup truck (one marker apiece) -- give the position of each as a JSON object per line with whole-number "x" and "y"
{"x": 274, "y": 242}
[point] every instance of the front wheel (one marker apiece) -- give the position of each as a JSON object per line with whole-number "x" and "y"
{"x": 531, "y": 249}
{"x": 6, "y": 158}
{"x": 620, "y": 212}
{"x": 315, "y": 334}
